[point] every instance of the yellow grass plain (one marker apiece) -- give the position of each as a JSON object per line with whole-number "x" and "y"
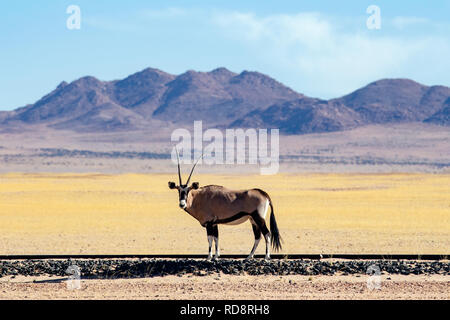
{"x": 138, "y": 214}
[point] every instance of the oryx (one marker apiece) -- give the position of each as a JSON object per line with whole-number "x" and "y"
{"x": 213, "y": 205}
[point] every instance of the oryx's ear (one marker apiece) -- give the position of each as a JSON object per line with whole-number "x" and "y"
{"x": 195, "y": 185}
{"x": 172, "y": 185}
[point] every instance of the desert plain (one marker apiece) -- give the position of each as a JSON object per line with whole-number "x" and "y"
{"x": 137, "y": 214}
{"x": 371, "y": 190}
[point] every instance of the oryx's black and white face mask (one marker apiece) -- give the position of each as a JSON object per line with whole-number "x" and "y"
{"x": 184, "y": 189}
{"x": 183, "y": 192}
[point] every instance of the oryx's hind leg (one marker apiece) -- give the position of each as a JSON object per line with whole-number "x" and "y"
{"x": 213, "y": 234}
{"x": 261, "y": 222}
{"x": 266, "y": 234}
{"x": 257, "y": 233}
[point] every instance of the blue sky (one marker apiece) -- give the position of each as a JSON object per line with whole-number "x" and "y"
{"x": 319, "y": 48}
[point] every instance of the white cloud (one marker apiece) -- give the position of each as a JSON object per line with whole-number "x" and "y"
{"x": 304, "y": 28}
{"x": 328, "y": 58}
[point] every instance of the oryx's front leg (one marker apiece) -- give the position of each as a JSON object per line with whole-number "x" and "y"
{"x": 213, "y": 234}
{"x": 210, "y": 240}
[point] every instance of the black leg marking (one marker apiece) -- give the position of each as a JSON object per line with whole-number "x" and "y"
{"x": 260, "y": 222}
{"x": 215, "y": 231}
{"x": 210, "y": 230}
{"x": 256, "y": 231}
{"x": 216, "y": 240}
{"x": 264, "y": 229}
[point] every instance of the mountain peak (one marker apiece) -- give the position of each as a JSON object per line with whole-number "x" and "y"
{"x": 62, "y": 85}
{"x": 87, "y": 80}
{"x": 219, "y": 96}
{"x": 222, "y": 70}
{"x": 222, "y": 98}
{"x": 254, "y": 76}
{"x": 146, "y": 77}
{"x": 394, "y": 81}
{"x": 149, "y": 70}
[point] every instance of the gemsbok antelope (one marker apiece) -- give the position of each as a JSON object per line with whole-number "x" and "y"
{"x": 213, "y": 205}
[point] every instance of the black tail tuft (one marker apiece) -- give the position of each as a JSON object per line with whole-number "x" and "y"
{"x": 275, "y": 237}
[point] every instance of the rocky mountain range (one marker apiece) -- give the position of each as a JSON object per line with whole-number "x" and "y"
{"x": 222, "y": 98}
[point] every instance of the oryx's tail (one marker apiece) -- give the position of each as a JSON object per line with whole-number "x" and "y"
{"x": 275, "y": 237}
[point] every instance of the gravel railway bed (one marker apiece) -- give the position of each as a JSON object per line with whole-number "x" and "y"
{"x": 154, "y": 267}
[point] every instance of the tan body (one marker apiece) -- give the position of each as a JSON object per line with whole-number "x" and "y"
{"x": 213, "y": 204}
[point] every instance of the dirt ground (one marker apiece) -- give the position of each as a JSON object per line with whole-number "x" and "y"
{"x": 230, "y": 287}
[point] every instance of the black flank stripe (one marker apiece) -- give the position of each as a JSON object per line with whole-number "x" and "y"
{"x": 233, "y": 218}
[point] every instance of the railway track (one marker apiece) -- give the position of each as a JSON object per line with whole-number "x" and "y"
{"x": 435, "y": 257}
{"x": 138, "y": 266}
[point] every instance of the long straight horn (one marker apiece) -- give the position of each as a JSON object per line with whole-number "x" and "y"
{"x": 178, "y": 161}
{"x": 187, "y": 183}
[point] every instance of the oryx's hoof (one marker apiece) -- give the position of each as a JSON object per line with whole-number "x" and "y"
{"x": 249, "y": 258}
{"x": 267, "y": 258}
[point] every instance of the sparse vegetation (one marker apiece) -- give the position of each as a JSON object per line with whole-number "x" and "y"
{"x": 53, "y": 152}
